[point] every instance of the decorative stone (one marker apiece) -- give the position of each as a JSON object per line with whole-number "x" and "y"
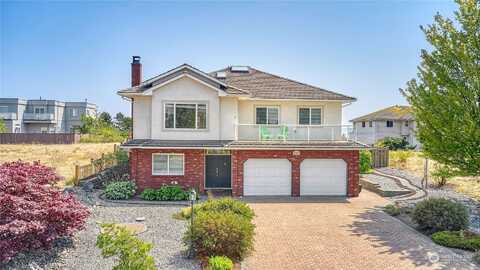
{"x": 140, "y": 219}
{"x": 134, "y": 228}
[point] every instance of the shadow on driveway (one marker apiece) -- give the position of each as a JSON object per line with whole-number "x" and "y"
{"x": 289, "y": 199}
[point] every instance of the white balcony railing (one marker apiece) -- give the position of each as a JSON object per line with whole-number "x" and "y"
{"x": 8, "y": 115}
{"x": 39, "y": 116}
{"x": 252, "y": 132}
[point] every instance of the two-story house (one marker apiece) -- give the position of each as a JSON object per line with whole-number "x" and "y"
{"x": 395, "y": 121}
{"x": 43, "y": 116}
{"x": 242, "y": 129}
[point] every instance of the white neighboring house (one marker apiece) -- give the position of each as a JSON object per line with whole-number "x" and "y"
{"x": 395, "y": 121}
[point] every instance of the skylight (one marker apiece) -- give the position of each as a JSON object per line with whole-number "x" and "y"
{"x": 239, "y": 69}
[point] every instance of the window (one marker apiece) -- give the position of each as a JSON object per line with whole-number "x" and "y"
{"x": 167, "y": 164}
{"x": 363, "y": 124}
{"x": 370, "y": 124}
{"x": 74, "y": 112}
{"x": 44, "y": 129}
{"x": 39, "y": 110}
{"x": 389, "y": 123}
{"x": 406, "y": 123}
{"x": 310, "y": 116}
{"x": 185, "y": 115}
{"x": 266, "y": 115}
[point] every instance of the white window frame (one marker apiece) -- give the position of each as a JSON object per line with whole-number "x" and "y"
{"x": 310, "y": 115}
{"x": 74, "y": 112}
{"x": 386, "y": 123}
{"x": 175, "y": 116}
{"x": 168, "y": 163}
{"x": 267, "y": 107}
{"x": 39, "y": 107}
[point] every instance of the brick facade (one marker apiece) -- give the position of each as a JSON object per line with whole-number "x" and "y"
{"x": 141, "y": 167}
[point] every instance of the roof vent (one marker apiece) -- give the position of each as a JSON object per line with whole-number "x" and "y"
{"x": 239, "y": 69}
{"x": 221, "y": 75}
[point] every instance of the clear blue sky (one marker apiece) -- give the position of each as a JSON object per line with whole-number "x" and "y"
{"x": 72, "y": 51}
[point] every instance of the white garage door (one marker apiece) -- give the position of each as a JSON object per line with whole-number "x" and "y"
{"x": 323, "y": 177}
{"x": 267, "y": 177}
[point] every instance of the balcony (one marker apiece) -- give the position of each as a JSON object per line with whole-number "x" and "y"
{"x": 8, "y": 115}
{"x": 284, "y": 133}
{"x": 38, "y": 117}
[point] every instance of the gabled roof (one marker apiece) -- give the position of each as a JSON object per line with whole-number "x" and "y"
{"x": 252, "y": 83}
{"x": 263, "y": 85}
{"x": 395, "y": 112}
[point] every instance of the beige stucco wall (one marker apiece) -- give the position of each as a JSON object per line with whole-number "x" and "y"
{"x": 142, "y": 115}
{"x": 187, "y": 90}
{"x": 332, "y": 111}
{"x": 228, "y": 117}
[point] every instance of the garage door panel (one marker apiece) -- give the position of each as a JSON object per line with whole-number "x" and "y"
{"x": 267, "y": 177}
{"x": 323, "y": 177}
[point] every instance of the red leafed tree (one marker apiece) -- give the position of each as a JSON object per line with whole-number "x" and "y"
{"x": 33, "y": 213}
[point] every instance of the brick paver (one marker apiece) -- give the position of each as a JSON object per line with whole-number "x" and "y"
{"x": 350, "y": 234}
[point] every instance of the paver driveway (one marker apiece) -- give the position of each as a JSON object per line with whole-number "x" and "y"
{"x": 341, "y": 234}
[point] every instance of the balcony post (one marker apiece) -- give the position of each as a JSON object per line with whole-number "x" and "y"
{"x": 308, "y": 133}
{"x": 333, "y": 131}
{"x": 236, "y": 131}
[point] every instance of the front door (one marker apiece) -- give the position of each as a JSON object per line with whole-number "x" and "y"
{"x": 218, "y": 171}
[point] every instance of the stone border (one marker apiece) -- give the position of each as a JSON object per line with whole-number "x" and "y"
{"x": 137, "y": 201}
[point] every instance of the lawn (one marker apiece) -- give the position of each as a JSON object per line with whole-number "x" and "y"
{"x": 414, "y": 162}
{"x": 63, "y": 157}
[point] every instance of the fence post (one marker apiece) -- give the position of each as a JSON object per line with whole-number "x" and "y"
{"x": 77, "y": 175}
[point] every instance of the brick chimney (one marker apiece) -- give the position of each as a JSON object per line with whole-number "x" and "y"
{"x": 136, "y": 71}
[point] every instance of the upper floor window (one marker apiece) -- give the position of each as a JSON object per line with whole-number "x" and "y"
{"x": 370, "y": 124}
{"x": 389, "y": 123}
{"x": 406, "y": 123}
{"x": 267, "y": 115}
{"x": 310, "y": 116}
{"x": 185, "y": 115}
{"x": 363, "y": 124}
{"x": 39, "y": 110}
{"x": 74, "y": 112}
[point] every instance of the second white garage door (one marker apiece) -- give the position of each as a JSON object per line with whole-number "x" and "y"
{"x": 323, "y": 177}
{"x": 267, "y": 177}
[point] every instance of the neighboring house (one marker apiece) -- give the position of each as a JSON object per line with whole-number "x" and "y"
{"x": 242, "y": 129}
{"x": 395, "y": 121}
{"x": 43, "y": 116}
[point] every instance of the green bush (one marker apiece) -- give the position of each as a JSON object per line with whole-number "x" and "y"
{"x": 217, "y": 233}
{"x": 393, "y": 143}
{"x": 219, "y": 263}
{"x": 149, "y": 194}
{"x": 132, "y": 252}
{"x": 392, "y": 210}
{"x": 476, "y": 257}
{"x": 221, "y": 205}
{"x": 120, "y": 190}
{"x": 457, "y": 239}
{"x": 365, "y": 161}
{"x": 438, "y": 214}
{"x": 165, "y": 193}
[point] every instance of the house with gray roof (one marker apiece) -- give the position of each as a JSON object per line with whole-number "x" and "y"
{"x": 42, "y": 115}
{"x": 239, "y": 129}
{"x": 395, "y": 121}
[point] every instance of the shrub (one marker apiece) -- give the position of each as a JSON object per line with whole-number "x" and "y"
{"x": 132, "y": 252}
{"x": 219, "y": 263}
{"x": 149, "y": 194}
{"x": 221, "y": 205}
{"x": 31, "y": 208}
{"x": 120, "y": 190}
{"x": 221, "y": 234}
{"x": 392, "y": 210}
{"x": 171, "y": 193}
{"x": 365, "y": 161}
{"x": 457, "y": 239}
{"x": 438, "y": 214}
{"x": 476, "y": 257}
{"x": 441, "y": 175}
{"x": 117, "y": 173}
{"x": 393, "y": 143}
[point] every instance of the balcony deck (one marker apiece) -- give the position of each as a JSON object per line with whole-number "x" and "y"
{"x": 38, "y": 117}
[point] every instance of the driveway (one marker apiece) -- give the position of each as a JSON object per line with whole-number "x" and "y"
{"x": 341, "y": 234}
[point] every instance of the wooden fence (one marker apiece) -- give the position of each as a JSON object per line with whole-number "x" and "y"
{"x": 40, "y": 138}
{"x": 379, "y": 157}
{"x": 95, "y": 166}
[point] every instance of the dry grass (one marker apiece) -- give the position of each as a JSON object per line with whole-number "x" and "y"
{"x": 414, "y": 162}
{"x": 62, "y": 157}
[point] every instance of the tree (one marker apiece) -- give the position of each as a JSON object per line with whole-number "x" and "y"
{"x": 446, "y": 97}
{"x": 106, "y": 118}
{"x": 3, "y": 128}
{"x": 34, "y": 213}
{"x": 122, "y": 122}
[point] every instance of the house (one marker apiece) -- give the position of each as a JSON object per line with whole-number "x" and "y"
{"x": 242, "y": 129}
{"x": 43, "y": 116}
{"x": 395, "y": 121}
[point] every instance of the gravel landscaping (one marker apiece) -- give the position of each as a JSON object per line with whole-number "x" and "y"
{"x": 444, "y": 192}
{"x": 81, "y": 253}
